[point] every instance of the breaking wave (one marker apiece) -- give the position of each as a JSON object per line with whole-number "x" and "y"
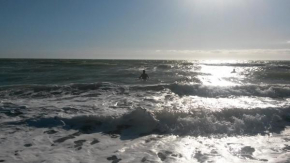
{"x": 274, "y": 91}
{"x": 42, "y": 91}
{"x": 196, "y": 123}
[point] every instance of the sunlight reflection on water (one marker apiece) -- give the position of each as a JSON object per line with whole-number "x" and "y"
{"x": 218, "y": 75}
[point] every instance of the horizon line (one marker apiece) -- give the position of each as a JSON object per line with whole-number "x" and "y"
{"x": 150, "y": 59}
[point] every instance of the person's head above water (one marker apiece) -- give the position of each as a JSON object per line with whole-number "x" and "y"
{"x": 144, "y": 76}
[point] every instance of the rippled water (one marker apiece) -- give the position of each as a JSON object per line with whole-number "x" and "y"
{"x": 188, "y": 111}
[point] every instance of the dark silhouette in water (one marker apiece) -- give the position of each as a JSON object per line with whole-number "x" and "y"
{"x": 234, "y": 71}
{"x": 144, "y": 76}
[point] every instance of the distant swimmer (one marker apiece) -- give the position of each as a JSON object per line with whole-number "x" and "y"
{"x": 144, "y": 76}
{"x": 234, "y": 71}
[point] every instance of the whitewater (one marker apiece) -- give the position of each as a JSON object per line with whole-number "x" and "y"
{"x": 85, "y": 111}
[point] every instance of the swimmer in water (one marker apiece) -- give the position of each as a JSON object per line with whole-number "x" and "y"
{"x": 144, "y": 76}
{"x": 234, "y": 71}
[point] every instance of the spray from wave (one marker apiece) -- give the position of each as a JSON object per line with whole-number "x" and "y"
{"x": 195, "y": 123}
{"x": 41, "y": 91}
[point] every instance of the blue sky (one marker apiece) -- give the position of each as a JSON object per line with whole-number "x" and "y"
{"x": 145, "y": 29}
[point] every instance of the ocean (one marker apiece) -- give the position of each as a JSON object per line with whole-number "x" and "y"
{"x": 85, "y": 111}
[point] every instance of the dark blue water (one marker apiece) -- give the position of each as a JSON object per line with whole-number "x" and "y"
{"x": 220, "y": 106}
{"x": 45, "y": 71}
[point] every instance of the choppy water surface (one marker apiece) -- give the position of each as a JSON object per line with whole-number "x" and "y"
{"x": 188, "y": 111}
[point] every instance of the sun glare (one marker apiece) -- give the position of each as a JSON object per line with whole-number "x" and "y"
{"x": 218, "y": 75}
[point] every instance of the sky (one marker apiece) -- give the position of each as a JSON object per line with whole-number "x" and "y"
{"x": 145, "y": 29}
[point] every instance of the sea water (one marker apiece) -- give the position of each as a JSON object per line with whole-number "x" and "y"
{"x": 55, "y": 111}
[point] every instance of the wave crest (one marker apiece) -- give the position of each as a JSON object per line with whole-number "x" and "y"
{"x": 45, "y": 91}
{"x": 197, "y": 123}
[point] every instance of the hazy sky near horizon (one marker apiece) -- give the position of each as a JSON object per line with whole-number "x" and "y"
{"x": 145, "y": 29}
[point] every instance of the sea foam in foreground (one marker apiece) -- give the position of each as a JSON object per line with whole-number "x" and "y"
{"x": 55, "y": 111}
